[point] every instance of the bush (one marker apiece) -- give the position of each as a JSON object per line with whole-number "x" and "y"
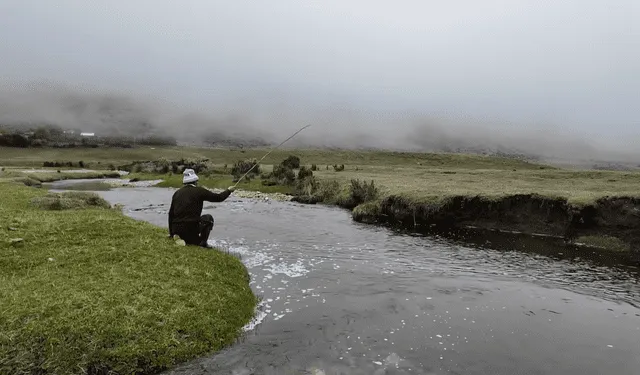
{"x": 314, "y": 167}
{"x": 292, "y": 162}
{"x": 81, "y": 164}
{"x": 70, "y": 201}
{"x": 338, "y": 168}
{"x": 306, "y": 186}
{"x": 242, "y": 167}
{"x": 28, "y": 181}
{"x": 283, "y": 175}
{"x": 328, "y": 190}
{"x": 304, "y": 173}
{"x": 362, "y": 192}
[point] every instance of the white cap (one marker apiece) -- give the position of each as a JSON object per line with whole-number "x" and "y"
{"x": 189, "y": 176}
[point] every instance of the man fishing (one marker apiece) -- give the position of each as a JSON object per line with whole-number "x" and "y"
{"x": 185, "y": 214}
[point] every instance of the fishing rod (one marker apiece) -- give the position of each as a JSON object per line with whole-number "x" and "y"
{"x": 258, "y": 162}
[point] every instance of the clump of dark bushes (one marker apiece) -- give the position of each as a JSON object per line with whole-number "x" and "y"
{"x": 331, "y": 192}
{"x": 284, "y": 174}
{"x": 57, "y": 164}
{"x": 241, "y": 167}
{"x": 292, "y": 162}
{"x": 362, "y": 192}
{"x": 304, "y": 172}
{"x": 338, "y": 168}
{"x": 163, "y": 166}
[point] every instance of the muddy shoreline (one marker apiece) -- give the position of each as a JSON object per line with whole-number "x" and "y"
{"x": 517, "y": 215}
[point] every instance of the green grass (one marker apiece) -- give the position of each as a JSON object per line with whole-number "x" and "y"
{"x": 69, "y": 200}
{"x": 212, "y": 182}
{"x": 435, "y": 184}
{"x": 10, "y": 156}
{"x": 604, "y": 242}
{"x": 88, "y": 290}
{"x": 418, "y": 176}
{"x": 54, "y": 174}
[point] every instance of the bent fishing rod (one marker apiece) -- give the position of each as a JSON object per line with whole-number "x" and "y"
{"x": 273, "y": 149}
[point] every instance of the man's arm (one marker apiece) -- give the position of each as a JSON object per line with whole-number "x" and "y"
{"x": 210, "y": 196}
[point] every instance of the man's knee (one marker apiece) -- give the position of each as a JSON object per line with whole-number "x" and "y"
{"x": 206, "y": 221}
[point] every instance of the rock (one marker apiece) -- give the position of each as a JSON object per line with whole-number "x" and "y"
{"x": 12, "y": 229}
{"x": 16, "y": 241}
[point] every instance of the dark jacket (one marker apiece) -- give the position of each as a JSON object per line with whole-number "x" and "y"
{"x": 187, "y": 202}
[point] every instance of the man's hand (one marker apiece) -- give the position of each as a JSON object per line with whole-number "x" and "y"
{"x": 231, "y": 188}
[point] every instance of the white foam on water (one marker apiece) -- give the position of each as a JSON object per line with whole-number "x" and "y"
{"x": 296, "y": 269}
{"x": 258, "y": 317}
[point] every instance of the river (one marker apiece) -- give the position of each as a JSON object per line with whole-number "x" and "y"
{"x": 345, "y": 298}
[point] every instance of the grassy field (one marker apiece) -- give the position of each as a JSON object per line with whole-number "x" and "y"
{"x": 85, "y": 289}
{"x": 421, "y": 177}
{"x": 212, "y": 182}
{"x": 105, "y": 156}
{"x": 430, "y": 184}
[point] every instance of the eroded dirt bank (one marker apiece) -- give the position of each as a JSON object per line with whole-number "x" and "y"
{"x": 531, "y": 214}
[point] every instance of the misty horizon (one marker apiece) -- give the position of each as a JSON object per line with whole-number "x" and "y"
{"x": 556, "y": 80}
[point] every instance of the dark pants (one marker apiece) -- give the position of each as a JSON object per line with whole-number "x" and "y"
{"x": 195, "y": 233}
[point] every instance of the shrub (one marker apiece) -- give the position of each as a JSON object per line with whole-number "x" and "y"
{"x": 304, "y": 172}
{"x": 292, "y": 162}
{"x": 111, "y": 167}
{"x": 81, "y": 164}
{"x": 242, "y": 167}
{"x": 328, "y": 190}
{"x": 306, "y": 186}
{"x": 283, "y": 175}
{"x": 362, "y": 192}
{"x": 338, "y": 168}
{"x": 70, "y": 201}
{"x": 28, "y": 181}
{"x": 314, "y": 167}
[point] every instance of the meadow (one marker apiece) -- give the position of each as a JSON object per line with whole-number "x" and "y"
{"x": 85, "y": 289}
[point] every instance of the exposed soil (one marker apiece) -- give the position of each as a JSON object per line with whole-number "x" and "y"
{"x": 531, "y": 214}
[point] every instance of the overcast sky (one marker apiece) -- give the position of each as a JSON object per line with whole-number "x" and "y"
{"x": 570, "y": 65}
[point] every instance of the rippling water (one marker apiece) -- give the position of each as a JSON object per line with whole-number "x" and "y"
{"x": 345, "y": 298}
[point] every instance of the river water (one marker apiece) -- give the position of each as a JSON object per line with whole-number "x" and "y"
{"x": 345, "y": 298}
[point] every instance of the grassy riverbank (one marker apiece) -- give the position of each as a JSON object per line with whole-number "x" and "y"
{"x": 88, "y": 290}
{"x": 422, "y": 189}
{"x": 211, "y": 182}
